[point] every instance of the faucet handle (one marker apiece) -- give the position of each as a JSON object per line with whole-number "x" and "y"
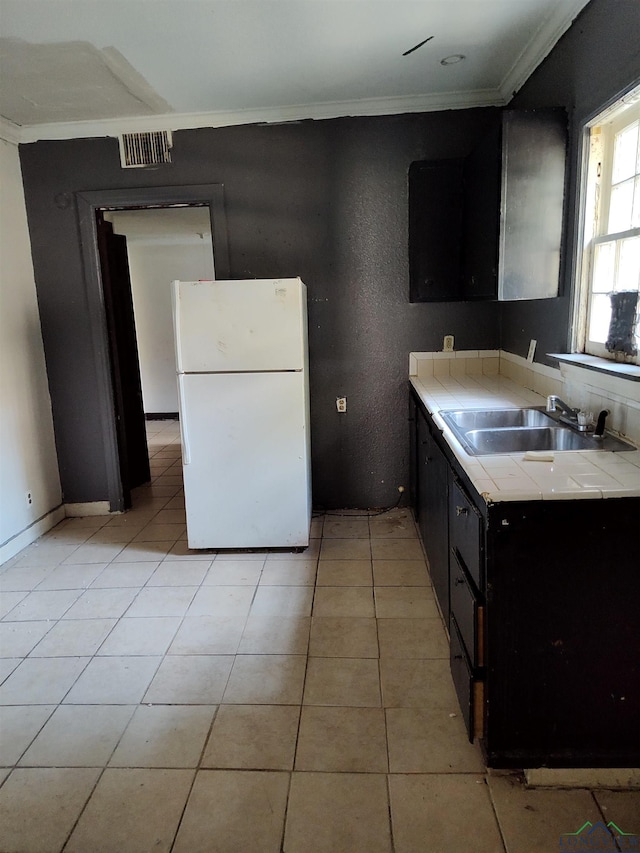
{"x": 599, "y": 430}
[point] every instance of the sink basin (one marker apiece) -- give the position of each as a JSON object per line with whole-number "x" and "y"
{"x": 482, "y": 433}
{"x": 514, "y": 440}
{"x": 497, "y": 418}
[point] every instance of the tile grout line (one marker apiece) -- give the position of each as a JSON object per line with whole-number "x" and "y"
{"x": 495, "y": 811}
{"x": 83, "y": 809}
{"x": 306, "y": 670}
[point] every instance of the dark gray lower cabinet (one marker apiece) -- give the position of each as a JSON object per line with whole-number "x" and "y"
{"x": 432, "y": 511}
{"x": 542, "y": 607}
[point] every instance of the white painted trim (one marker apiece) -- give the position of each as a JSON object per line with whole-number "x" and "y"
{"x": 14, "y": 545}
{"x": 540, "y": 46}
{"x": 89, "y": 508}
{"x": 10, "y": 132}
{"x": 267, "y": 115}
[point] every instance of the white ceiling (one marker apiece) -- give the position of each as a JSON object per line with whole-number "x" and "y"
{"x": 95, "y": 67}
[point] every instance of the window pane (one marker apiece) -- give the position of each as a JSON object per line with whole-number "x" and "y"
{"x": 621, "y": 207}
{"x": 629, "y": 264}
{"x": 604, "y": 260}
{"x": 599, "y": 318}
{"x": 625, "y": 152}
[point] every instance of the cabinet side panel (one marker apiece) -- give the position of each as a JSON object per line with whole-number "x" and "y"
{"x": 563, "y": 651}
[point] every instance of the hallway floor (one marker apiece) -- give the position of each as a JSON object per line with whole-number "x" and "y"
{"x": 160, "y": 699}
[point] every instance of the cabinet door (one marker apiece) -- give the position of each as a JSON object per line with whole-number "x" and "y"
{"x": 466, "y": 532}
{"x": 435, "y": 218}
{"x": 481, "y": 217}
{"x": 513, "y": 198}
{"x": 532, "y": 199}
{"x": 432, "y": 492}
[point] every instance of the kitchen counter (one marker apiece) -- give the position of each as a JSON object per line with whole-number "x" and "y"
{"x": 572, "y": 475}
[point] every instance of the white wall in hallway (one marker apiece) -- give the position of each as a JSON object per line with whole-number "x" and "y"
{"x": 28, "y": 460}
{"x": 163, "y": 245}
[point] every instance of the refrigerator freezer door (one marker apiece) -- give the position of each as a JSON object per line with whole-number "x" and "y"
{"x": 247, "y": 484}
{"x": 240, "y": 325}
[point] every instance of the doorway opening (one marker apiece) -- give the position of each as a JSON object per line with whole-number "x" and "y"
{"x": 135, "y": 243}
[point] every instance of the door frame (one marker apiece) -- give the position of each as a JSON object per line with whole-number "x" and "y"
{"x": 88, "y": 203}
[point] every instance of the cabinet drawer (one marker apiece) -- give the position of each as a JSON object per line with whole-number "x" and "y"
{"x": 469, "y": 689}
{"x": 468, "y": 612}
{"x": 465, "y": 532}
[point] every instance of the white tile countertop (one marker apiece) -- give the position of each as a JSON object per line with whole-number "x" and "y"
{"x": 572, "y": 475}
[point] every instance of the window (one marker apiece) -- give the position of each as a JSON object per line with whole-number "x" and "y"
{"x": 608, "y": 311}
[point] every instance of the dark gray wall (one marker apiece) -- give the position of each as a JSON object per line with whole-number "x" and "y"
{"x": 327, "y": 201}
{"x": 323, "y": 200}
{"x": 596, "y": 60}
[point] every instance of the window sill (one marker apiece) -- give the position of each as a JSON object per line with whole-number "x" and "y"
{"x": 600, "y": 365}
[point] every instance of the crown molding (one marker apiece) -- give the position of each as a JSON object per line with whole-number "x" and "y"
{"x": 540, "y": 46}
{"x": 267, "y": 115}
{"x": 10, "y": 132}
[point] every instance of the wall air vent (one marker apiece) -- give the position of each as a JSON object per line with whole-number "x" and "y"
{"x": 145, "y": 149}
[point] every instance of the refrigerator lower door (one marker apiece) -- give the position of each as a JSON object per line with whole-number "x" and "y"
{"x": 247, "y": 476}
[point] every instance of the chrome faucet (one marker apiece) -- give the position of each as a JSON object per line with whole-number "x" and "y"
{"x": 554, "y": 403}
{"x": 573, "y": 417}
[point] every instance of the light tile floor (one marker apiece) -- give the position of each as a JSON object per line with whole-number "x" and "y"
{"x": 160, "y": 699}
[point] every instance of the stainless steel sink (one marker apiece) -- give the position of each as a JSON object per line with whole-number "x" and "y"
{"x": 466, "y": 419}
{"x": 482, "y": 433}
{"x": 521, "y": 439}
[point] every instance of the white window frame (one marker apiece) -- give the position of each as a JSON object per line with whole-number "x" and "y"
{"x": 594, "y": 207}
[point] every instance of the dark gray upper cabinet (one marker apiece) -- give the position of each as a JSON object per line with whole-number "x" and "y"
{"x": 481, "y": 216}
{"x": 534, "y": 146}
{"x": 489, "y": 226}
{"x": 435, "y": 229}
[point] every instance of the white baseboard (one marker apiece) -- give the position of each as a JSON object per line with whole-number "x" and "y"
{"x": 31, "y": 533}
{"x": 89, "y": 508}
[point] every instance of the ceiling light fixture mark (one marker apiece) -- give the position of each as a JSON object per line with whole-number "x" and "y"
{"x": 453, "y": 59}
{"x": 407, "y": 52}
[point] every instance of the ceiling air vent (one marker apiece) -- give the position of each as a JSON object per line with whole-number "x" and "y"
{"x": 145, "y": 149}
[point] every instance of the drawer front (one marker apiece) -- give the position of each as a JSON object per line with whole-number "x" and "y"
{"x": 468, "y": 612}
{"x": 465, "y": 531}
{"x": 462, "y": 678}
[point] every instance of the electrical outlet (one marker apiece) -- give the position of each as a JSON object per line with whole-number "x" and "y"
{"x": 29, "y": 498}
{"x": 341, "y": 404}
{"x": 447, "y": 345}
{"x": 532, "y": 349}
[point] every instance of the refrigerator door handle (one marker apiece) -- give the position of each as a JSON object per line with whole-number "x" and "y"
{"x": 184, "y": 430}
{"x": 177, "y": 325}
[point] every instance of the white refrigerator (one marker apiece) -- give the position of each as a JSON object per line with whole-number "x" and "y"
{"x": 243, "y": 389}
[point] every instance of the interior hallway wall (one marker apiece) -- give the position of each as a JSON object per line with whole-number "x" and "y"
{"x": 153, "y": 266}
{"x": 28, "y": 460}
{"x": 162, "y": 245}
